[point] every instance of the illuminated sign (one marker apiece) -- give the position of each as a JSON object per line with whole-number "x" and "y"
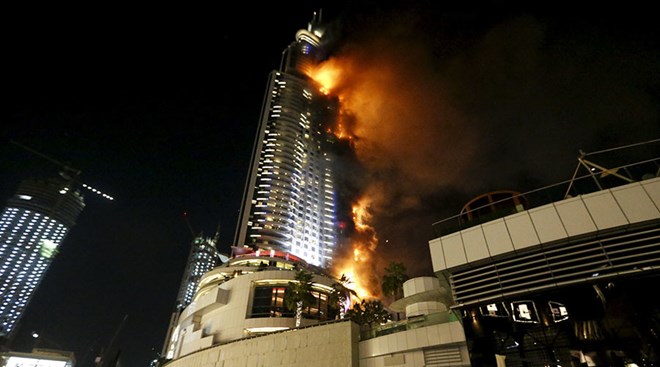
{"x": 494, "y": 310}
{"x": 14, "y": 361}
{"x": 558, "y": 311}
{"x": 524, "y": 311}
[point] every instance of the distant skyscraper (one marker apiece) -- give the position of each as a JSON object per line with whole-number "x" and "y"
{"x": 32, "y": 227}
{"x": 289, "y": 197}
{"x": 202, "y": 258}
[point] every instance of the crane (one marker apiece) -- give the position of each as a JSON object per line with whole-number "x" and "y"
{"x": 67, "y": 172}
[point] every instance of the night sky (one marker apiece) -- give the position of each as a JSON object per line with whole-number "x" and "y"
{"x": 159, "y": 108}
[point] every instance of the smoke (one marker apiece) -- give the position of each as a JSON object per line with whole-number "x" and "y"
{"x": 441, "y": 111}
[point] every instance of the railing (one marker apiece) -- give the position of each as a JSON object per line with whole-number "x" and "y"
{"x": 598, "y": 178}
{"x": 409, "y": 324}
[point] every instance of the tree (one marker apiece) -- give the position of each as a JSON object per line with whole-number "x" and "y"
{"x": 395, "y": 276}
{"x": 298, "y": 294}
{"x": 340, "y": 294}
{"x": 369, "y": 312}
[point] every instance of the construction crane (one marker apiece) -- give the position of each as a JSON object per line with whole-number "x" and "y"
{"x": 67, "y": 172}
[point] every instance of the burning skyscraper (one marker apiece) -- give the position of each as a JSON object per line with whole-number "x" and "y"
{"x": 289, "y": 197}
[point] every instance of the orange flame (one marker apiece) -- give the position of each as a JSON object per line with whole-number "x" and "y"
{"x": 341, "y": 132}
{"x": 326, "y": 75}
{"x": 359, "y": 264}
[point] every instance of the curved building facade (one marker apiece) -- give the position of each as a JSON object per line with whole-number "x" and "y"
{"x": 244, "y": 298}
{"x": 289, "y": 197}
{"x": 238, "y": 318}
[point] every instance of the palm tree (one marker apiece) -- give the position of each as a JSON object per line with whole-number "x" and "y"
{"x": 369, "y": 312}
{"x": 298, "y": 294}
{"x": 395, "y": 276}
{"x": 340, "y": 293}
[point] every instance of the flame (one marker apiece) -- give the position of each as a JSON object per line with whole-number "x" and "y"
{"x": 349, "y": 271}
{"x": 358, "y": 264}
{"x": 361, "y": 214}
{"x": 327, "y": 75}
{"x": 341, "y": 132}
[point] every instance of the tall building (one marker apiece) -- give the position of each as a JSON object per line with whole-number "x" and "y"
{"x": 240, "y": 315}
{"x": 289, "y": 196}
{"x": 202, "y": 258}
{"x": 32, "y": 227}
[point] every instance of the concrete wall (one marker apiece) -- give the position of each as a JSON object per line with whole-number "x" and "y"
{"x": 444, "y": 344}
{"x": 328, "y": 345}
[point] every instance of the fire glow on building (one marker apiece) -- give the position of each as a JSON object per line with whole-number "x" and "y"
{"x": 359, "y": 262}
{"x": 395, "y": 115}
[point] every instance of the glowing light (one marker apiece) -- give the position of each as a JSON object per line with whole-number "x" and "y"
{"x": 48, "y": 248}
{"x": 267, "y": 329}
{"x": 361, "y": 214}
{"x": 327, "y": 75}
{"x": 14, "y": 361}
{"x": 355, "y": 284}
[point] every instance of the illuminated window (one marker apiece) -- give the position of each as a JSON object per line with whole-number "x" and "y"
{"x": 269, "y": 302}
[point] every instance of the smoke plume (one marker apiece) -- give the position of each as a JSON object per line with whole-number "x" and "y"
{"x": 441, "y": 111}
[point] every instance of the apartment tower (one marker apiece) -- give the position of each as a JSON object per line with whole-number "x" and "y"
{"x": 32, "y": 227}
{"x": 289, "y": 196}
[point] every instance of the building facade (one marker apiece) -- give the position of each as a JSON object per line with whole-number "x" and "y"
{"x": 244, "y": 298}
{"x": 239, "y": 317}
{"x": 289, "y": 197}
{"x": 202, "y": 258}
{"x": 562, "y": 282}
{"x": 32, "y": 227}
{"x": 39, "y": 357}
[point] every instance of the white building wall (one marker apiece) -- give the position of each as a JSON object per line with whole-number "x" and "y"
{"x": 406, "y": 348}
{"x": 602, "y": 210}
{"x": 221, "y": 315}
{"x": 328, "y": 345}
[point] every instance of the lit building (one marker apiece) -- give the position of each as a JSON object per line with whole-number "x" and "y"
{"x": 202, "y": 258}
{"x": 289, "y": 196}
{"x": 239, "y": 315}
{"x": 562, "y": 275}
{"x": 39, "y": 357}
{"x": 32, "y": 227}
{"x": 244, "y": 297}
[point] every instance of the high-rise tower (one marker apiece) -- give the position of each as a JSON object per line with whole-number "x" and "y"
{"x": 289, "y": 196}
{"x": 32, "y": 226}
{"x": 202, "y": 258}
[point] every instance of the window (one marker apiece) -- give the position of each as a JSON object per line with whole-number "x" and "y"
{"x": 269, "y": 302}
